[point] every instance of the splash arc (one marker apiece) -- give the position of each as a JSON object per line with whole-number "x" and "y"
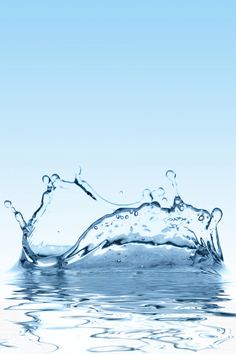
{"x": 146, "y": 233}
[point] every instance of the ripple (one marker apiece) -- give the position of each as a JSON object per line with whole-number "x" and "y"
{"x": 139, "y": 312}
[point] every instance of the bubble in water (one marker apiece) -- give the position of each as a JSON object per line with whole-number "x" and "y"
{"x": 20, "y": 219}
{"x": 8, "y": 204}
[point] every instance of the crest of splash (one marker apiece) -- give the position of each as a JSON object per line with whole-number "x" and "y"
{"x": 89, "y": 231}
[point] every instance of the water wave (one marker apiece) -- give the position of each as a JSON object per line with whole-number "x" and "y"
{"x": 99, "y": 233}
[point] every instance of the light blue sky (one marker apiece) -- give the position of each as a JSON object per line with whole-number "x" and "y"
{"x": 127, "y": 89}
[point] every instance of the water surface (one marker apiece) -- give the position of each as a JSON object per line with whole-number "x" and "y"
{"x": 145, "y": 311}
{"x": 102, "y": 277}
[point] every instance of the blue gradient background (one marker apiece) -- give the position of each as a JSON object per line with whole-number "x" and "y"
{"x": 127, "y": 89}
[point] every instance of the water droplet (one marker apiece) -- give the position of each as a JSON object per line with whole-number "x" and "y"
{"x": 136, "y": 213}
{"x": 46, "y": 179}
{"x": 171, "y": 175}
{"x": 160, "y": 192}
{"x": 201, "y": 217}
{"x": 8, "y": 203}
{"x": 55, "y": 177}
{"x": 95, "y": 228}
{"x": 216, "y": 215}
{"x": 147, "y": 195}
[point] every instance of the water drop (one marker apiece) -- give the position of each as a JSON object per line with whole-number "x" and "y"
{"x": 201, "y": 217}
{"x": 95, "y": 228}
{"x": 147, "y": 195}
{"x": 20, "y": 219}
{"x": 171, "y": 175}
{"x": 8, "y": 203}
{"x": 55, "y": 177}
{"x": 136, "y": 213}
{"x": 216, "y": 215}
{"x": 160, "y": 192}
{"x": 46, "y": 179}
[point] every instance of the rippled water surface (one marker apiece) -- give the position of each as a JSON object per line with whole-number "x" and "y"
{"x": 101, "y": 277}
{"x": 144, "y": 311}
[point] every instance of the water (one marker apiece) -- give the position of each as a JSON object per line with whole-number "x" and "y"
{"x": 102, "y": 277}
{"x": 140, "y": 234}
{"x": 141, "y": 311}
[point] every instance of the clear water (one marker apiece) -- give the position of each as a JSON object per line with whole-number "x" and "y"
{"x": 143, "y": 311}
{"x": 99, "y": 234}
{"x": 102, "y": 277}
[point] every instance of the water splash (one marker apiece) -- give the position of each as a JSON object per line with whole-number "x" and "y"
{"x": 94, "y": 232}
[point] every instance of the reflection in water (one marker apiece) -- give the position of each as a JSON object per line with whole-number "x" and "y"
{"x": 112, "y": 312}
